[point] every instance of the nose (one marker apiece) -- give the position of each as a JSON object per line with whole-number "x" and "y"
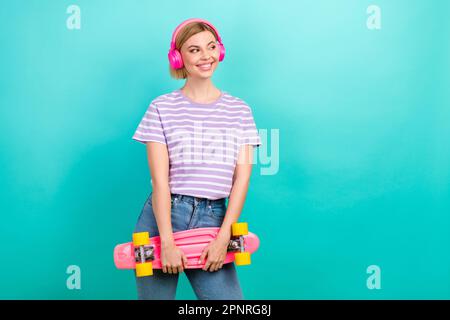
{"x": 206, "y": 57}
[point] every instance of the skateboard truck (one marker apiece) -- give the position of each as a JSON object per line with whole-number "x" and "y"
{"x": 234, "y": 245}
{"x": 238, "y": 231}
{"x": 144, "y": 253}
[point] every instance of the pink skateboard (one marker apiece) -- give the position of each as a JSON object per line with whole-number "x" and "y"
{"x": 143, "y": 254}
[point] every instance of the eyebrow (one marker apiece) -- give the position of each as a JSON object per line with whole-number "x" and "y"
{"x": 198, "y": 46}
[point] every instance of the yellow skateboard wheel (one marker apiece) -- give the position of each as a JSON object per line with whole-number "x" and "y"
{"x": 144, "y": 269}
{"x": 239, "y": 229}
{"x": 242, "y": 258}
{"x": 141, "y": 239}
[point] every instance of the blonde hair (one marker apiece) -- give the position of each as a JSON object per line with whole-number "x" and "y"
{"x": 183, "y": 35}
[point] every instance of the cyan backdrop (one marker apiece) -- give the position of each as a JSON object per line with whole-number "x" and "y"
{"x": 360, "y": 176}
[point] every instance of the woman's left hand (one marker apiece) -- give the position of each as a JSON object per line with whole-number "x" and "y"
{"x": 215, "y": 253}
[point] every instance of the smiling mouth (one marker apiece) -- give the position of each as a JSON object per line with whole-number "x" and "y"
{"x": 205, "y": 66}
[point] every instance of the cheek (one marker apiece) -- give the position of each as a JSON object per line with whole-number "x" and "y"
{"x": 216, "y": 53}
{"x": 188, "y": 59}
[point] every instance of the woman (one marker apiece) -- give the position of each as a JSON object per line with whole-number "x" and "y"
{"x": 199, "y": 145}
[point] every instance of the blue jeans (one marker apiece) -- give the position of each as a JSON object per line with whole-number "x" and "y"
{"x": 188, "y": 212}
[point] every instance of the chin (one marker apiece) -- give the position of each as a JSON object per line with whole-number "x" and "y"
{"x": 204, "y": 76}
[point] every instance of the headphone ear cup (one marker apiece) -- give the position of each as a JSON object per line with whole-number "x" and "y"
{"x": 222, "y": 52}
{"x": 175, "y": 59}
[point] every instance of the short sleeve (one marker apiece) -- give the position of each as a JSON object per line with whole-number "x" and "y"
{"x": 249, "y": 133}
{"x": 150, "y": 128}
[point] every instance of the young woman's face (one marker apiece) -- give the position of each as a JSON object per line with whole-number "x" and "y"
{"x": 200, "y": 54}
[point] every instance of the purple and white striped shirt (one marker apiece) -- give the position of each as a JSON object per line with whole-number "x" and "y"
{"x": 203, "y": 140}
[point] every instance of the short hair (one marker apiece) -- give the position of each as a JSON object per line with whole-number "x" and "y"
{"x": 183, "y": 35}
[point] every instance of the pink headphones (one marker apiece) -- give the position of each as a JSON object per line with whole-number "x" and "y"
{"x": 175, "y": 56}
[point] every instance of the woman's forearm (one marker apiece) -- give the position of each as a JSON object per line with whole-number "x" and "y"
{"x": 235, "y": 205}
{"x": 161, "y": 201}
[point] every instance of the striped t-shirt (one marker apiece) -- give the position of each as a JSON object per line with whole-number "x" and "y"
{"x": 202, "y": 139}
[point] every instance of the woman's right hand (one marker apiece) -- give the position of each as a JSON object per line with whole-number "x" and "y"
{"x": 173, "y": 259}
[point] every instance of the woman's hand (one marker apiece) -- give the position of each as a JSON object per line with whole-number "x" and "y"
{"x": 173, "y": 259}
{"x": 215, "y": 253}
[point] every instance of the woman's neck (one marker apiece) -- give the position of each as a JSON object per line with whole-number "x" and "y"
{"x": 200, "y": 91}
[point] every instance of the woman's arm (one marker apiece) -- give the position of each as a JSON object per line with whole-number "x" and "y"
{"x": 173, "y": 260}
{"x": 241, "y": 181}
{"x": 216, "y": 251}
{"x": 158, "y": 161}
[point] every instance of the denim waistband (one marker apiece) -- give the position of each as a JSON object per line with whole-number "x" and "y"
{"x": 196, "y": 200}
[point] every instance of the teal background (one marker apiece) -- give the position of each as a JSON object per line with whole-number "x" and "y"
{"x": 364, "y": 157}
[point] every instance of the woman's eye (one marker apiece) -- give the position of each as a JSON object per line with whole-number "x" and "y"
{"x": 195, "y": 50}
